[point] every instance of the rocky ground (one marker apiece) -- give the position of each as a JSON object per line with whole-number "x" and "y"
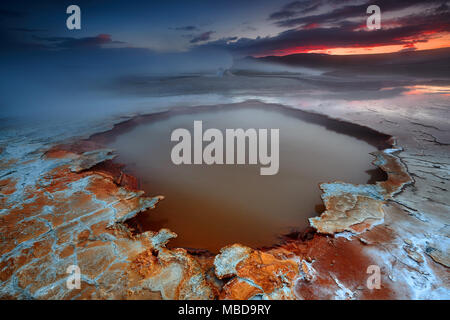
{"x": 64, "y": 202}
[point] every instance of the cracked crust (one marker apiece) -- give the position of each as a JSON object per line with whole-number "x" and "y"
{"x": 65, "y": 206}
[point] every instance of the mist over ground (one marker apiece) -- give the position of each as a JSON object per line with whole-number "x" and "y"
{"x": 62, "y": 83}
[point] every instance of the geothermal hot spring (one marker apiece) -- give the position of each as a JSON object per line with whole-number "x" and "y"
{"x": 210, "y": 206}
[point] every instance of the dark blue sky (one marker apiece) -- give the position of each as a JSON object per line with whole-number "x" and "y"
{"x": 161, "y": 26}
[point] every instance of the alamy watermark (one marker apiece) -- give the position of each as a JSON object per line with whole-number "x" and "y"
{"x": 374, "y": 280}
{"x": 74, "y": 279}
{"x": 74, "y": 20}
{"x": 213, "y": 153}
{"x": 374, "y": 20}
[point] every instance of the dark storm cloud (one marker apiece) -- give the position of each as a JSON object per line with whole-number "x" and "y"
{"x": 443, "y": 7}
{"x": 30, "y": 30}
{"x": 185, "y": 28}
{"x": 295, "y": 8}
{"x": 350, "y": 11}
{"x": 436, "y": 20}
{"x": 310, "y": 32}
{"x": 86, "y": 42}
{"x": 323, "y": 38}
{"x": 205, "y": 36}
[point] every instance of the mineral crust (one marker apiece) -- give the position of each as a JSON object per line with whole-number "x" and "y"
{"x": 64, "y": 205}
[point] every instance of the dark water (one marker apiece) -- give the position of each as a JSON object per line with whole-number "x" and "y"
{"x": 212, "y": 206}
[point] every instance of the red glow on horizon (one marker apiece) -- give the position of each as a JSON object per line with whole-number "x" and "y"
{"x": 428, "y": 89}
{"x": 311, "y": 26}
{"x": 431, "y": 39}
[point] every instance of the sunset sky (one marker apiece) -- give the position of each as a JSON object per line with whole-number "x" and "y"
{"x": 254, "y": 27}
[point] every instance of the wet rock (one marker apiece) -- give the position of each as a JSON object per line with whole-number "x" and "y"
{"x": 357, "y": 208}
{"x": 173, "y": 273}
{"x": 225, "y": 262}
{"x": 413, "y": 254}
{"x": 161, "y": 238}
{"x": 67, "y": 218}
{"x": 91, "y": 158}
{"x": 439, "y": 256}
{"x": 256, "y": 273}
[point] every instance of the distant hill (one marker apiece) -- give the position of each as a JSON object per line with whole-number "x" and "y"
{"x": 434, "y": 62}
